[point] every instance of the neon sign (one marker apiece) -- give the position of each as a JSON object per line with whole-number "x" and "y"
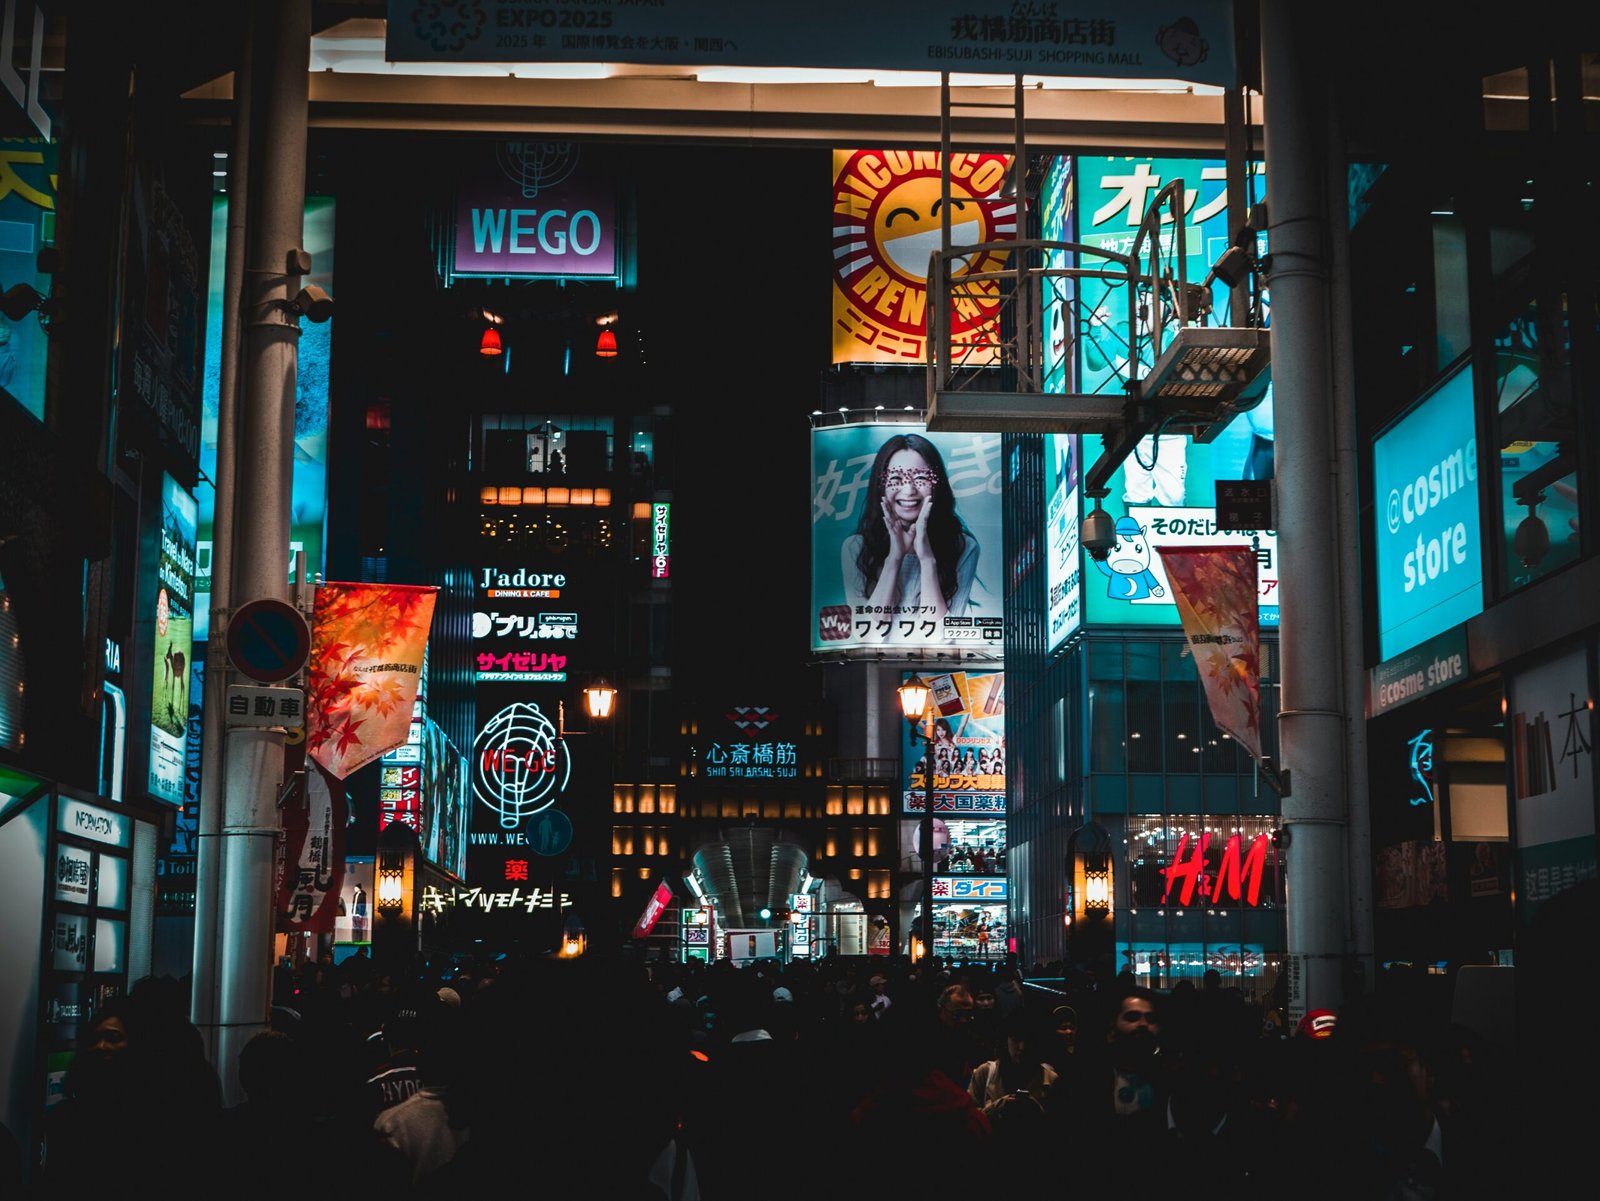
{"x": 1422, "y": 766}
{"x": 661, "y": 542}
{"x": 1240, "y": 875}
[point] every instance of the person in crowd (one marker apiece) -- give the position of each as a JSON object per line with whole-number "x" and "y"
{"x": 427, "y": 1128}
{"x": 952, "y": 1046}
{"x": 1018, "y": 1069}
{"x": 137, "y": 1078}
{"x": 878, "y": 998}
{"x": 1113, "y": 1096}
{"x": 911, "y": 550}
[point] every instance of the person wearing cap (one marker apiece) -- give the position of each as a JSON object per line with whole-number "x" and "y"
{"x": 878, "y": 995}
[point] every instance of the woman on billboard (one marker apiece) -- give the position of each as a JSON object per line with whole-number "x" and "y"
{"x": 912, "y": 559}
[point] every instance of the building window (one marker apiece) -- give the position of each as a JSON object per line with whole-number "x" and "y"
{"x": 647, "y": 798}
{"x": 667, "y": 797}
{"x": 878, "y": 884}
{"x": 616, "y": 881}
{"x": 854, "y": 804}
{"x": 835, "y": 802}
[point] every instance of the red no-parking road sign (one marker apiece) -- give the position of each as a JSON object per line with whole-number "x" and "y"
{"x": 268, "y": 640}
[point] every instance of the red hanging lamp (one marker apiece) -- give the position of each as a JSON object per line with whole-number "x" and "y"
{"x": 605, "y": 346}
{"x": 491, "y": 342}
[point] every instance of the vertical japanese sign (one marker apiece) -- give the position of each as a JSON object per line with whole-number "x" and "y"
{"x": 1058, "y": 223}
{"x": 311, "y": 853}
{"x": 1551, "y": 727}
{"x": 308, "y": 496}
{"x": 1063, "y": 563}
{"x": 661, "y": 541}
{"x": 905, "y": 540}
{"x": 886, "y": 224}
{"x": 27, "y": 222}
{"x": 172, "y": 597}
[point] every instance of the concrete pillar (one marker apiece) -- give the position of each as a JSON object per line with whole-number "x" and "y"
{"x": 1313, "y": 720}
{"x": 253, "y": 759}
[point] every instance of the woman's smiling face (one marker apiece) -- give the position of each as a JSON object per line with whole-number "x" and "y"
{"x": 908, "y": 481}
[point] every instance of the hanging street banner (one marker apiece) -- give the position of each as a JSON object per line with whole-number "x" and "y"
{"x": 1215, "y": 590}
{"x": 311, "y": 854}
{"x": 1100, "y": 39}
{"x": 367, "y": 643}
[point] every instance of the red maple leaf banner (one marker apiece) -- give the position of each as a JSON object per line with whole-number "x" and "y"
{"x": 1215, "y": 590}
{"x": 367, "y": 642}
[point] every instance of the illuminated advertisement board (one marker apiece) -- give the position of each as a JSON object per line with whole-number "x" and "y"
{"x": 172, "y": 595}
{"x": 28, "y": 219}
{"x": 308, "y": 496}
{"x": 1164, "y": 491}
{"x": 660, "y": 541}
{"x": 886, "y": 223}
{"x": 1063, "y": 563}
{"x": 969, "y": 748}
{"x": 446, "y": 796}
{"x": 535, "y": 209}
{"x": 757, "y": 743}
{"x": 1427, "y": 529}
{"x": 1057, "y": 223}
{"x": 879, "y": 492}
{"x": 520, "y": 632}
{"x": 526, "y": 630}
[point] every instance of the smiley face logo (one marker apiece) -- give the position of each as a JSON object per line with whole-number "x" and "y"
{"x": 888, "y": 220}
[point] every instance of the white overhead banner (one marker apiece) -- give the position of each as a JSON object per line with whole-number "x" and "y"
{"x": 1105, "y": 39}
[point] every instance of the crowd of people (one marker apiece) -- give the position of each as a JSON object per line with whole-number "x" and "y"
{"x": 871, "y": 1077}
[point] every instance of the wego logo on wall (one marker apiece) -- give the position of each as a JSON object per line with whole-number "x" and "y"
{"x": 886, "y": 222}
{"x": 534, "y": 208}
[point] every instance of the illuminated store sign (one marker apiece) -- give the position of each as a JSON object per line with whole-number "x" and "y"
{"x": 1239, "y": 877}
{"x": 1425, "y": 493}
{"x": 522, "y": 666}
{"x": 751, "y": 761}
{"x": 93, "y": 823}
{"x": 520, "y": 767}
{"x": 969, "y": 888}
{"x": 534, "y": 209}
{"x": 522, "y": 583}
{"x": 435, "y": 900}
{"x": 530, "y": 626}
{"x": 968, "y": 751}
{"x": 661, "y": 541}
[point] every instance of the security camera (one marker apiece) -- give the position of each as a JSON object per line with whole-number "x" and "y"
{"x": 313, "y": 304}
{"x": 1098, "y": 533}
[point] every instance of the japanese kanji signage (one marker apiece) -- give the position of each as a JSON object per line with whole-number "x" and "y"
{"x": 969, "y": 888}
{"x": 1065, "y": 37}
{"x": 435, "y": 900}
{"x": 968, "y": 754}
{"x": 1551, "y": 728}
{"x": 311, "y": 853}
{"x": 660, "y": 540}
{"x": 251, "y": 705}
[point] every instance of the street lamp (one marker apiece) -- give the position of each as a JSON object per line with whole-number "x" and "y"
{"x": 914, "y": 697}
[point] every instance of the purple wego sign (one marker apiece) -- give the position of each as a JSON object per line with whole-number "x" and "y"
{"x": 534, "y": 208}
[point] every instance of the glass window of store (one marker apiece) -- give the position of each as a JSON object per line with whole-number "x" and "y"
{"x": 1201, "y": 885}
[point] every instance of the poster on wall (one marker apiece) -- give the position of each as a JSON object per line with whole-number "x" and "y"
{"x": 353, "y": 921}
{"x": 28, "y": 218}
{"x": 886, "y": 224}
{"x": 905, "y": 540}
{"x": 968, "y": 755}
{"x": 1058, "y": 222}
{"x": 172, "y": 595}
{"x": 1551, "y": 727}
{"x": 308, "y": 495}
